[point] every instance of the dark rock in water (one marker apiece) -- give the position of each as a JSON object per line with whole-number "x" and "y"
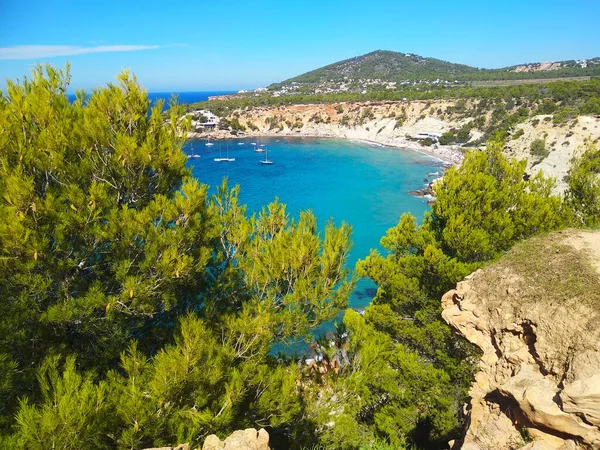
{"x": 426, "y": 191}
{"x": 425, "y": 180}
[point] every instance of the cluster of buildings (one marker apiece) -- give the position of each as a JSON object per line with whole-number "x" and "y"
{"x": 362, "y": 85}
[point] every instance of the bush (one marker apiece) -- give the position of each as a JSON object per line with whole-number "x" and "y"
{"x": 448, "y": 138}
{"x": 538, "y": 148}
{"x": 517, "y": 134}
{"x": 583, "y": 194}
{"x": 565, "y": 115}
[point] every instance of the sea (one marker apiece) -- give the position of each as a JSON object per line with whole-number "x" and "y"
{"x": 358, "y": 183}
{"x": 182, "y": 97}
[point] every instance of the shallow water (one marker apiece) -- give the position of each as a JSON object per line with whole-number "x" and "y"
{"x": 364, "y": 185}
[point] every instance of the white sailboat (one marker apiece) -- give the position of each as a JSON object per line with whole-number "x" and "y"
{"x": 220, "y": 158}
{"x": 208, "y": 143}
{"x": 228, "y": 158}
{"x": 266, "y": 160}
{"x": 193, "y": 155}
{"x": 259, "y": 148}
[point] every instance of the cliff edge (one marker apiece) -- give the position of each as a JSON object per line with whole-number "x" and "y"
{"x": 536, "y": 316}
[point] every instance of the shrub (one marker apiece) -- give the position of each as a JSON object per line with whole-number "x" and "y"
{"x": 583, "y": 193}
{"x": 518, "y": 133}
{"x": 538, "y": 148}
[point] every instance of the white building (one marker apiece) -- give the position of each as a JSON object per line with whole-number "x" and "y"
{"x": 202, "y": 118}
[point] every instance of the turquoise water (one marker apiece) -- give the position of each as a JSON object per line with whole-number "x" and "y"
{"x": 364, "y": 185}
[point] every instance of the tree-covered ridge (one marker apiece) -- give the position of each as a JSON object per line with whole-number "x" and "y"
{"x": 138, "y": 311}
{"x": 394, "y": 66}
{"x": 385, "y": 65}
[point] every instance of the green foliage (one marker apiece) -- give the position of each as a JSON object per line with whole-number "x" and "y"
{"x": 517, "y": 134}
{"x": 232, "y": 124}
{"x": 482, "y": 208}
{"x": 591, "y": 106}
{"x": 574, "y": 94}
{"x": 75, "y": 414}
{"x": 107, "y": 243}
{"x": 564, "y": 115}
{"x": 583, "y": 194}
{"x": 546, "y": 107}
{"x": 394, "y": 391}
{"x": 252, "y": 126}
{"x": 538, "y": 148}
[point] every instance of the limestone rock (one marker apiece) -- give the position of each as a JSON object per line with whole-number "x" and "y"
{"x": 539, "y": 375}
{"x": 248, "y": 439}
{"x": 212, "y": 442}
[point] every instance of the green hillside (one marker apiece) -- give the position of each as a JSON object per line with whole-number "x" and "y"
{"x": 389, "y": 66}
{"x": 385, "y": 65}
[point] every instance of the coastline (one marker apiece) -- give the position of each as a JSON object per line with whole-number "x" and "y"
{"x": 439, "y": 157}
{"x": 446, "y": 154}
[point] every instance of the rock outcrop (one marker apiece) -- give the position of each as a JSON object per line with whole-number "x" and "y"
{"x": 536, "y": 316}
{"x": 248, "y": 439}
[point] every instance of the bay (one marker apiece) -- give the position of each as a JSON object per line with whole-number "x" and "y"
{"x": 364, "y": 185}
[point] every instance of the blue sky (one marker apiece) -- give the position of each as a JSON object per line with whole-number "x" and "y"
{"x": 191, "y": 45}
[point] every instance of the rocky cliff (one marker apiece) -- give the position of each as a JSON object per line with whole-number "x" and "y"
{"x": 535, "y": 314}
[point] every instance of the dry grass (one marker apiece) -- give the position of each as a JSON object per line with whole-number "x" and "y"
{"x": 551, "y": 269}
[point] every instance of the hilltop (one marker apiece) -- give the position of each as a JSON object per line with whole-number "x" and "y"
{"x": 384, "y": 65}
{"x": 387, "y": 70}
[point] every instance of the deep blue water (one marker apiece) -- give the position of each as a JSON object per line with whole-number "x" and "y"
{"x": 365, "y": 186}
{"x": 183, "y": 97}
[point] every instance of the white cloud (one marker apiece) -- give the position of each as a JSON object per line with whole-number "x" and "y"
{"x": 49, "y": 51}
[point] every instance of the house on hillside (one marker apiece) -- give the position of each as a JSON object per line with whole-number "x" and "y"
{"x": 203, "y": 119}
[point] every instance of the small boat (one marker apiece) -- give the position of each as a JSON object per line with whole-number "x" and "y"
{"x": 240, "y": 143}
{"x": 193, "y": 155}
{"x": 220, "y": 158}
{"x": 228, "y": 159}
{"x": 266, "y": 161}
{"x": 252, "y": 143}
{"x": 209, "y": 144}
{"x": 259, "y": 148}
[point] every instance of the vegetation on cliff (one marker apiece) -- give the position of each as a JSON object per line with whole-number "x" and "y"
{"x": 137, "y": 311}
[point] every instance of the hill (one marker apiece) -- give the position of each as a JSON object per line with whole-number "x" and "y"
{"x": 384, "y": 65}
{"x": 385, "y": 70}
